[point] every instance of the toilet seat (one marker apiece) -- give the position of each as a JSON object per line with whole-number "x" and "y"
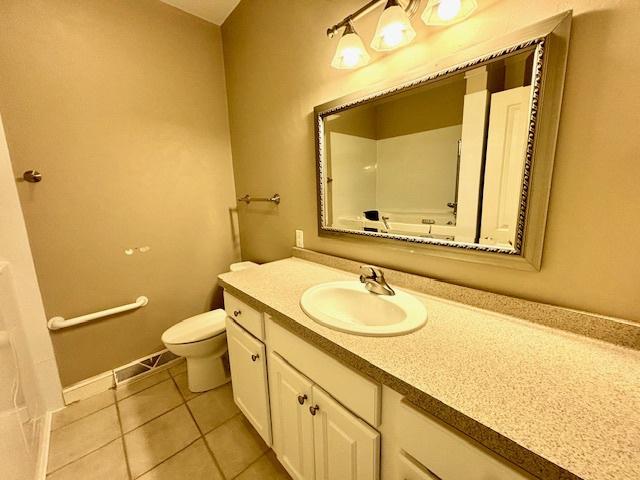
{"x": 197, "y": 328}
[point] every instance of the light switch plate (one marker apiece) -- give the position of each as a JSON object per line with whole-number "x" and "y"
{"x": 299, "y": 239}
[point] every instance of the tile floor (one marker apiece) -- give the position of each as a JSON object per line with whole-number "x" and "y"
{"x": 156, "y": 429}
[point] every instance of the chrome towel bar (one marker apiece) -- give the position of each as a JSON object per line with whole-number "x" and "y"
{"x": 56, "y": 323}
{"x": 248, "y": 199}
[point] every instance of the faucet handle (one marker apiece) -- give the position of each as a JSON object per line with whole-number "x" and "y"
{"x": 370, "y": 271}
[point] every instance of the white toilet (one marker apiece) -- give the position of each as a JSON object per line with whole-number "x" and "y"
{"x": 202, "y": 340}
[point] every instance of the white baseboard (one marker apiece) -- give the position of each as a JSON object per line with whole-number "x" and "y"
{"x": 89, "y": 387}
{"x": 43, "y": 446}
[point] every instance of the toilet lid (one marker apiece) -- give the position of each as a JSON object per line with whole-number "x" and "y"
{"x": 194, "y": 329}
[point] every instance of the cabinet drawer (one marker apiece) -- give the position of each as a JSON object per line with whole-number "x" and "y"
{"x": 449, "y": 454}
{"x": 249, "y": 378}
{"x": 249, "y": 318}
{"x": 354, "y": 391}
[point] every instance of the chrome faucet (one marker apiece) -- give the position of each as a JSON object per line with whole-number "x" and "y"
{"x": 373, "y": 279}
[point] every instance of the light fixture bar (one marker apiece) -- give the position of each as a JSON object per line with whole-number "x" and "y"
{"x": 411, "y": 8}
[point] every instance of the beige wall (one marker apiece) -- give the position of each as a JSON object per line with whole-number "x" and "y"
{"x": 122, "y": 107}
{"x": 277, "y": 60}
{"x": 429, "y": 109}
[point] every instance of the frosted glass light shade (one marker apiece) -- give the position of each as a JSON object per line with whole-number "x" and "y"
{"x": 351, "y": 52}
{"x": 394, "y": 29}
{"x": 447, "y": 12}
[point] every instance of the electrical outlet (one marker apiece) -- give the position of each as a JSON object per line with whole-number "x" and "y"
{"x": 299, "y": 239}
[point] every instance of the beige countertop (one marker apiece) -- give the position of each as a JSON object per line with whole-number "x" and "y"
{"x": 541, "y": 397}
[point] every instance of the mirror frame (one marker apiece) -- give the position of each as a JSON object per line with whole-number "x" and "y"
{"x": 550, "y": 38}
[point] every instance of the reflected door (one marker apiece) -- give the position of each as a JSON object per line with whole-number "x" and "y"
{"x": 506, "y": 146}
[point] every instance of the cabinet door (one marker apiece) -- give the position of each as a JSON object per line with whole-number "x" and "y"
{"x": 346, "y": 448}
{"x": 249, "y": 378}
{"x": 291, "y": 393}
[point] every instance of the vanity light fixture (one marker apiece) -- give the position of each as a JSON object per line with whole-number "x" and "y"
{"x": 447, "y": 12}
{"x": 351, "y": 52}
{"x": 347, "y": 53}
{"x": 394, "y": 28}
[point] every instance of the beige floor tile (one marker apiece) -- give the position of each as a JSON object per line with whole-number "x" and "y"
{"x": 80, "y": 409}
{"x": 182, "y": 382}
{"x": 192, "y": 463}
{"x": 213, "y": 408}
{"x": 106, "y": 463}
{"x": 178, "y": 368}
{"x": 147, "y": 404}
{"x": 157, "y": 440}
{"x": 72, "y": 441}
{"x": 266, "y": 468}
{"x": 235, "y": 445}
{"x": 127, "y": 389}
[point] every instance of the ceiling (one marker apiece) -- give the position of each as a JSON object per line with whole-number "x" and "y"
{"x": 214, "y": 11}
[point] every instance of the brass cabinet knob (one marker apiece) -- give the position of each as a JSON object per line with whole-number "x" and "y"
{"x": 313, "y": 410}
{"x": 237, "y": 312}
{"x": 302, "y": 399}
{"x": 255, "y": 357}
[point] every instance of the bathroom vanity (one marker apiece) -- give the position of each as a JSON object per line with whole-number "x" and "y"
{"x": 471, "y": 395}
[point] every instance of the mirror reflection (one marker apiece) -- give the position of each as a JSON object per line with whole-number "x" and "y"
{"x": 444, "y": 160}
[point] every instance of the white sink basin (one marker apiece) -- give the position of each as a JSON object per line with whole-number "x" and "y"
{"x": 348, "y": 306}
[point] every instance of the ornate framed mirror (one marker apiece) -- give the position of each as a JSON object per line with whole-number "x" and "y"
{"x": 456, "y": 159}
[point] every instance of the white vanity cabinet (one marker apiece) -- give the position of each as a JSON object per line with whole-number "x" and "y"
{"x": 313, "y": 435}
{"x": 324, "y": 419}
{"x": 247, "y": 358}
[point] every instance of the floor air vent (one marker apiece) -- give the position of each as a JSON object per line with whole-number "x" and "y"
{"x": 143, "y": 366}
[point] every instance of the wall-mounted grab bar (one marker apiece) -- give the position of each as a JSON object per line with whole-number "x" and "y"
{"x": 248, "y": 199}
{"x": 56, "y": 323}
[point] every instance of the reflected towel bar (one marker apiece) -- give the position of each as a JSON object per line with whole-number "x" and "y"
{"x": 56, "y": 323}
{"x": 248, "y": 199}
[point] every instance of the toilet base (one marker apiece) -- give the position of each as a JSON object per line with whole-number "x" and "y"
{"x": 206, "y": 373}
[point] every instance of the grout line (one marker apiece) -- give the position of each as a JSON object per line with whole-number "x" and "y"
{"x": 83, "y": 456}
{"x": 206, "y": 444}
{"x": 122, "y": 434}
{"x": 115, "y": 400}
{"x": 255, "y": 461}
{"x": 152, "y": 419}
{"x": 175, "y": 375}
{"x": 124, "y": 446}
{"x": 183, "y": 402}
{"x": 82, "y": 417}
{"x": 115, "y": 389}
{"x": 168, "y": 458}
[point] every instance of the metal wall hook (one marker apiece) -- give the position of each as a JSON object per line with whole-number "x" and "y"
{"x": 32, "y": 176}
